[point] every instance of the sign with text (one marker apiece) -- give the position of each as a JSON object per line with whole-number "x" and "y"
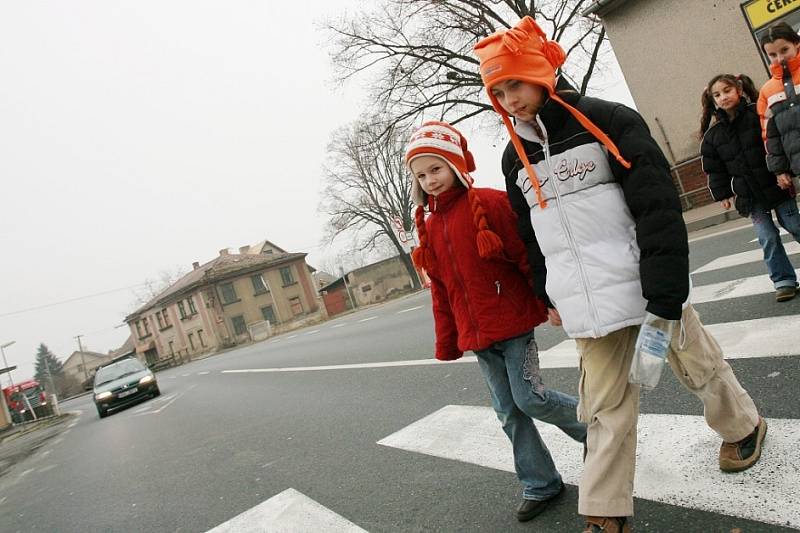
{"x": 760, "y": 14}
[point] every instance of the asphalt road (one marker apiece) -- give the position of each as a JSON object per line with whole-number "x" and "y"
{"x": 220, "y": 440}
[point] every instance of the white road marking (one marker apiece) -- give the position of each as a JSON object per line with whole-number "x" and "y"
{"x": 45, "y": 469}
{"x": 741, "y": 225}
{"x": 203, "y": 373}
{"x": 733, "y": 289}
{"x": 46, "y": 453}
{"x": 339, "y": 325}
{"x": 416, "y": 362}
{"x": 672, "y": 449}
{"x": 288, "y": 512}
{"x": 185, "y": 375}
{"x": 59, "y": 440}
{"x": 409, "y": 309}
{"x": 311, "y": 332}
{"x": 170, "y": 401}
{"x": 782, "y": 232}
{"x": 747, "y": 339}
{"x": 25, "y": 473}
{"x": 368, "y": 319}
{"x": 3, "y": 500}
{"x": 291, "y": 336}
{"x": 742, "y": 258}
{"x": 761, "y": 337}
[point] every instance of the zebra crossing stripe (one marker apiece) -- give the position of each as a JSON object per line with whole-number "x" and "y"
{"x": 733, "y": 289}
{"x": 676, "y": 460}
{"x": 743, "y": 258}
{"x": 747, "y": 339}
{"x": 287, "y": 512}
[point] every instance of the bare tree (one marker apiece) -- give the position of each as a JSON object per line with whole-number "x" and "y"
{"x": 368, "y": 188}
{"x": 422, "y": 50}
{"x": 151, "y": 288}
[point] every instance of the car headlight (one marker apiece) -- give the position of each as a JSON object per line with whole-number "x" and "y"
{"x": 146, "y": 379}
{"x": 103, "y": 395}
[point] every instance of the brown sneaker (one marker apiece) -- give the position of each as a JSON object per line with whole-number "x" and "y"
{"x": 784, "y": 294}
{"x": 602, "y": 524}
{"x": 738, "y": 456}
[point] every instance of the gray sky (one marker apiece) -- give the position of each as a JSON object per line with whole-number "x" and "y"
{"x": 138, "y": 137}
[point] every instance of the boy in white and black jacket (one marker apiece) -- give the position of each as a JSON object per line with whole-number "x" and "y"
{"x": 607, "y": 243}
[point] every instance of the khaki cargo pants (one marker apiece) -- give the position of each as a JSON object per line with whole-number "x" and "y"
{"x": 610, "y": 406}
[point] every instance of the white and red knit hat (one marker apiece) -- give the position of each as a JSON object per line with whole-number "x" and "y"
{"x": 441, "y": 140}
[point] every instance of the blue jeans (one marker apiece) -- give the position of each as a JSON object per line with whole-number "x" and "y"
{"x": 511, "y": 369}
{"x": 781, "y": 271}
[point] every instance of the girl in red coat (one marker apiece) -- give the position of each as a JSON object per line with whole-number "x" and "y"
{"x": 483, "y": 301}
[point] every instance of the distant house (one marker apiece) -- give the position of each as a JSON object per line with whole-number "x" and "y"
{"x": 367, "y": 285}
{"x": 128, "y": 349}
{"x": 232, "y": 299}
{"x": 82, "y": 365}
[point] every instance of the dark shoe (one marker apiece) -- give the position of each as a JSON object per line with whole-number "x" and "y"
{"x": 606, "y": 524}
{"x": 530, "y": 509}
{"x": 738, "y": 456}
{"x": 784, "y": 294}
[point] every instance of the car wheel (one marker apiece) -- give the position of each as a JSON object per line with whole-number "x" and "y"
{"x": 102, "y": 412}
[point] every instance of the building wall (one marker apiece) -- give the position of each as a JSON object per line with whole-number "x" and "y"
{"x": 374, "y": 283}
{"x": 668, "y": 50}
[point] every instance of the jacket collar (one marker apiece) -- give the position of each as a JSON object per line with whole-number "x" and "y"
{"x": 723, "y": 117}
{"x": 552, "y": 114}
{"x": 445, "y": 200}
{"x": 777, "y": 68}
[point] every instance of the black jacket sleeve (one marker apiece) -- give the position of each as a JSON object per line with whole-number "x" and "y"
{"x": 719, "y": 180}
{"x": 653, "y": 201}
{"x": 777, "y": 161}
{"x": 510, "y": 165}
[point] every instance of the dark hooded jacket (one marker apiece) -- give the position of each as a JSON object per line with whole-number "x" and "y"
{"x": 734, "y": 160}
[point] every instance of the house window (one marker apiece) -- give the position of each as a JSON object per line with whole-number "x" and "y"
{"x": 191, "y": 341}
{"x": 269, "y": 314}
{"x": 239, "y": 327}
{"x": 287, "y": 276}
{"x": 259, "y": 287}
{"x": 171, "y": 348}
{"x": 181, "y": 310}
{"x": 160, "y": 320}
{"x": 139, "y": 329}
{"x": 164, "y": 313}
{"x": 297, "y": 306}
{"x": 200, "y": 338}
{"x": 366, "y": 288}
{"x": 228, "y": 293}
{"x": 192, "y": 308}
{"x": 146, "y": 326}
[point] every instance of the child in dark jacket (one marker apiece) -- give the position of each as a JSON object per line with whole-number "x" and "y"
{"x": 482, "y": 301}
{"x": 734, "y": 160}
{"x": 608, "y": 248}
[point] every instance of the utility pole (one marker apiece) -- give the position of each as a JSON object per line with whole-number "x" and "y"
{"x": 49, "y": 375}
{"x": 347, "y": 289}
{"x": 83, "y": 362}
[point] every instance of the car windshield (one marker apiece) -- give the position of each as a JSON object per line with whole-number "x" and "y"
{"x": 116, "y": 371}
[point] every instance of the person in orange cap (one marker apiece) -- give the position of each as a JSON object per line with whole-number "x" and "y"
{"x": 608, "y": 250}
{"x": 483, "y": 301}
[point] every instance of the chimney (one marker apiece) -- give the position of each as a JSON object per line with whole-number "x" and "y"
{"x": 224, "y": 251}
{"x": 195, "y": 265}
{"x": 243, "y": 249}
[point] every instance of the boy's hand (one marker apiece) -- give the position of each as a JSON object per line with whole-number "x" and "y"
{"x": 726, "y": 203}
{"x": 784, "y": 180}
{"x": 553, "y": 316}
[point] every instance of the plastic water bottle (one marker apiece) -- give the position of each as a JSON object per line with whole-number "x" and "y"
{"x": 650, "y": 354}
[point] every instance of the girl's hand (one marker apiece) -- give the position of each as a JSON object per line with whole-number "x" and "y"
{"x": 726, "y": 203}
{"x": 784, "y": 180}
{"x": 555, "y": 318}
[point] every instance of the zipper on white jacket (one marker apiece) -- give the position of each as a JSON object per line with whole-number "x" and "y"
{"x": 573, "y": 246}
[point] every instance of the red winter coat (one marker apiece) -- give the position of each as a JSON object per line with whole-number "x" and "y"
{"x": 477, "y": 302}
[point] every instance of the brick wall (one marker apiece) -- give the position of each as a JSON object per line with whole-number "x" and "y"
{"x": 691, "y": 183}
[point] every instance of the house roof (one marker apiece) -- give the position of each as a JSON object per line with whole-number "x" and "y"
{"x": 224, "y": 266}
{"x": 87, "y": 356}
{"x": 602, "y": 7}
{"x": 127, "y": 347}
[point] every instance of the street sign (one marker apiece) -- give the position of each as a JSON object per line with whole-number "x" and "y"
{"x": 760, "y": 14}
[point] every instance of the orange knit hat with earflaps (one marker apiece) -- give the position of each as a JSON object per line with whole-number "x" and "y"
{"x": 524, "y": 53}
{"x": 440, "y": 139}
